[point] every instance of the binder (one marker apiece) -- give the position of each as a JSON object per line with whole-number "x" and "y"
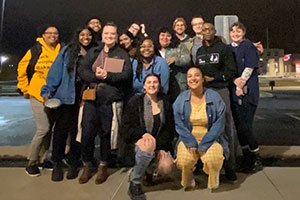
{"x": 114, "y": 65}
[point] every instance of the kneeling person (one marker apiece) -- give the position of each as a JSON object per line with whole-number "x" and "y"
{"x": 148, "y": 121}
{"x": 199, "y": 120}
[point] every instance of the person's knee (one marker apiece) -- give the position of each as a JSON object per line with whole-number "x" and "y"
{"x": 146, "y": 146}
{"x": 183, "y": 163}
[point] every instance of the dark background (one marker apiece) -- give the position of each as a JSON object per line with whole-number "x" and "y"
{"x": 22, "y": 17}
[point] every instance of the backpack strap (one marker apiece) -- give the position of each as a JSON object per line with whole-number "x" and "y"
{"x": 36, "y": 51}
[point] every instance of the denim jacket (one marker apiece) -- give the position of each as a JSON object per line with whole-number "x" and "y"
{"x": 215, "y": 109}
{"x": 158, "y": 66}
{"x": 59, "y": 83}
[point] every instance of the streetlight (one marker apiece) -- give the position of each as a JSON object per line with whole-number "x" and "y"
{"x": 1, "y": 31}
{"x": 3, "y": 59}
{"x": 2, "y": 19}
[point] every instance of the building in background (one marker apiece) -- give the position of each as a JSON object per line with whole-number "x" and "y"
{"x": 274, "y": 63}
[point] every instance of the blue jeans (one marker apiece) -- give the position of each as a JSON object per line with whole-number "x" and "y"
{"x": 142, "y": 161}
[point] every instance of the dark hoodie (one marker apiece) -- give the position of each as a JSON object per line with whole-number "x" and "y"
{"x": 217, "y": 61}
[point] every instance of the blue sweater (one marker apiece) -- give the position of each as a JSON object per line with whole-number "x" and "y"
{"x": 215, "y": 109}
{"x": 158, "y": 66}
{"x": 247, "y": 56}
{"x": 59, "y": 83}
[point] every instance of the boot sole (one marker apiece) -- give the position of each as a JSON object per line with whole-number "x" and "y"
{"x": 32, "y": 175}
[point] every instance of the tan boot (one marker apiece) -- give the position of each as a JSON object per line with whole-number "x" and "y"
{"x": 87, "y": 174}
{"x": 102, "y": 174}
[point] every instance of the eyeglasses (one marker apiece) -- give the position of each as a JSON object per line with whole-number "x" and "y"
{"x": 51, "y": 33}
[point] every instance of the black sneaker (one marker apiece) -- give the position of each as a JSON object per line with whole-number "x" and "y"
{"x": 57, "y": 173}
{"x": 32, "y": 170}
{"x": 47, "y": 164}
{"x": 255, "y": 167}
{"x": 230, "y": 175}
{"x": 229, "y": 171}
{"x": 72, "y": 172}
{"x": 136, "y": 192}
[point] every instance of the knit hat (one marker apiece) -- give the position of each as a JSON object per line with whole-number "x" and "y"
{"x": 179, "y": 19}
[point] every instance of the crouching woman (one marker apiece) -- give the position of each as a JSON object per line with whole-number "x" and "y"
{"x": 199, "y": 121}
{"x": 148, "y": 122}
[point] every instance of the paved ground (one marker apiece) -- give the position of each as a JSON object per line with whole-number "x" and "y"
{"x": 277, "y": 120}
{"x": 273, "y": 183}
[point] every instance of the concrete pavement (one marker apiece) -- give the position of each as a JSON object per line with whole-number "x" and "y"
{"x": 273, "y": 183}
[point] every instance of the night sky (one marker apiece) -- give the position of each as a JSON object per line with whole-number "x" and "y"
{"x": 22, "y": 17}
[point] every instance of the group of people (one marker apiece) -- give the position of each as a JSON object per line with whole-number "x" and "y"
{"x": 168, "y": 104}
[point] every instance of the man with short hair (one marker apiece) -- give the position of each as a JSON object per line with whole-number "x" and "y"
{"x": 179, "y": 26}
{"x": 218, "y": 65}
{"x": 179, "y": 60}
{"x": 197, "y": 23}
{"x": 97, "y": 114}
{"x": 95, "y": 24}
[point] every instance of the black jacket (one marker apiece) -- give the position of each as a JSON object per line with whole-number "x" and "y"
{"x": 133, "y": 124}
{"x": 218, "y": 61}
{"x": 116, "y": 85}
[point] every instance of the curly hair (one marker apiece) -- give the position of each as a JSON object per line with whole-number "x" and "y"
{"x": 139, "y": 59}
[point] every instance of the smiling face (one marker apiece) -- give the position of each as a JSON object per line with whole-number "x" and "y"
{"x": 151, "y": 85}
{"x": 195, "y": 78}
{"x": 197, "y": 24}
{"x": 125, "y": 41}
{"x": 147, "y": 48}
{"x": 50, "y": 36}
{"x": 165, "y": 39}
{"x": 85, "y": 37}
{"x": 179, "y": 28}
{"x": 95, "y": 25}
{"x": 109, "y": 35}
{"x": 237, "y": 34}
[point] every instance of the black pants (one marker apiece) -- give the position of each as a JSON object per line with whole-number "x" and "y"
{"x": 97, "y": 118}
{"x": 243, "y": 116}
{"x": 66, "y": 124}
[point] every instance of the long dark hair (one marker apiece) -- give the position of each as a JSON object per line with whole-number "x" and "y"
{"x": 74, "y": 47}
{"x": 139, "y": 58}
{"x": 174, "y": 41}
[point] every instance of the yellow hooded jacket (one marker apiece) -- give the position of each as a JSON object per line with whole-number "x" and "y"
{"x": 41, "y": 69}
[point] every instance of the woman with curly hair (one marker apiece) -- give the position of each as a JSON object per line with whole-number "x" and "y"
{"x": 63, "y": 83}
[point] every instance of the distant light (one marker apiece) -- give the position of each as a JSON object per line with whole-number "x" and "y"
{"x": 10, "y": 65}
{"x": 261, "y": 59}
{"x": 287, "y": 57}
{"x": 3, "y": 59}
{"x": 298, "y": 69}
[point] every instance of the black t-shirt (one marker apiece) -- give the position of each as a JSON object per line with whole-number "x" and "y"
{"x": 156, "y": 124}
